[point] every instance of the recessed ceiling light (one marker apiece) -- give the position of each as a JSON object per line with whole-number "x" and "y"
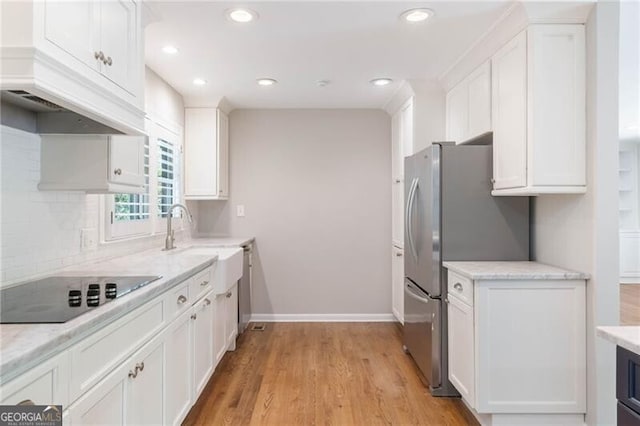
{"x": 170, "y": 50}
{"x": 417, "y": 15}
{"x": 266, "y": 81}
{"x": 381, "y": 81}
{"x": 199, "y": 81}
{"x": 242, "y": 15}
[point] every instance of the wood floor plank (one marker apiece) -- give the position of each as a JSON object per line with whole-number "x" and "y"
{"x": 630, "y": 304}
{"x": 322, "y": 374}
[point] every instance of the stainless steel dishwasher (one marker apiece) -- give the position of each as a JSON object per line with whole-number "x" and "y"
{"x": 244, "y": 290}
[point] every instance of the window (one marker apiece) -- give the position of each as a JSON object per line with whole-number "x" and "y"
{"x": 128, "y": 215}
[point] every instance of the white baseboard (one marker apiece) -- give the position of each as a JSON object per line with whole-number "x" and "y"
{"x": 322, "y": 318}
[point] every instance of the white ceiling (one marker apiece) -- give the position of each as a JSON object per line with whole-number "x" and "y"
{"x": 300, "y": 42}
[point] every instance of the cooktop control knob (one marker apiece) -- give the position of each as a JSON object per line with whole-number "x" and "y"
{"x": 111, "y": 290}
{"x": 75, "y": 298}
{"x": 93, "y": 295}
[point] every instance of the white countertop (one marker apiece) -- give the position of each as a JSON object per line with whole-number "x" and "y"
{"x": 513, "y": 271}
{"x": 23, "y": 345}
{"x": 626, "y": 336}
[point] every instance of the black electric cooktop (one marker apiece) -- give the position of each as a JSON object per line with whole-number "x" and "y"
{"x": 58, "y": 299}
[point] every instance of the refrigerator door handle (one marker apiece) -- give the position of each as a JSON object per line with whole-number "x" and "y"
{"x": 410, "y": 204}
{"x": 412, "y": 292}
{"x": 408, "y": 208}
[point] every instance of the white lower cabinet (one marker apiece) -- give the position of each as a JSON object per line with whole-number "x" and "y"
{"x": 226, "y": 322}
{"x": 231, "y": 318}
{"x": 131, "y": 394}
{"x": 517, "y": 348}
{"x": 178, "y": 370}
{"x": 202, "y": 337}
{"x": 397, "y": 283}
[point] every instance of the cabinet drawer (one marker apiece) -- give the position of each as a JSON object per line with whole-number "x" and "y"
{"x": 178, "y": 299}
{"x": 46, "y": 384}
{"x": 628, "y": 378}
{"x": 201, "y": 284}
{"x": 461, "y": 287}
{"x": 105, "y": 349}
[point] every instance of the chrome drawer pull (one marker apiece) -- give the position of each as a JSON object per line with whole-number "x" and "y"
{"x": 181, "y": 299}
{"x": 458, "y": 287}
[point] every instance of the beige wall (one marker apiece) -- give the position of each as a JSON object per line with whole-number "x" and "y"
{"x": 581, "y": 231}
{"x": 316, "y": 189}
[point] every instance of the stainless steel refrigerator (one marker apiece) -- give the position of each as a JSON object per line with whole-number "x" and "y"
{"x": 450, "y": 214}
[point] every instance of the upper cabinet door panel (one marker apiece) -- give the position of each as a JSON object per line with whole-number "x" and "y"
{"x": 556, "y": 104}
{"x": 223, "y": 154}
{"x": 118, "y": 42}
{"x": 126, "y": 159}
{"x": 479, "y": 92}
{"x": 509, "y": 104}
{"x": 70, "y": 26}
{"x": 200, "y": 152}
{"x": 457, "y": 120}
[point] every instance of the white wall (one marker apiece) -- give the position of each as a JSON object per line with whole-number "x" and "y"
{"x": 40, "y": 230}
{"x": 581, "y": 232}
{"x": 315, "y": 186}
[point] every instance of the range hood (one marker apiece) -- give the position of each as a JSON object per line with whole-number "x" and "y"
{"x": 52, "y": 118}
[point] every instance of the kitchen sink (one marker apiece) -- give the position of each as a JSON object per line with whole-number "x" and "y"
{"x": 228, "y": 269}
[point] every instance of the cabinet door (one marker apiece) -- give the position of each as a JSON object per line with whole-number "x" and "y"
{"x": 397, "y": 183}
{"x": 223, "y": 155}
{"x": 456, "y": 116}
{"x": 397, "y": 283}
{"x": 202, "y": 338}
{"x": 126, "y": 160}
{"x": 104, "y": 403}
{"x": 219, "y": 326}
{"x": 231, "y": 325}
{"x": 509, "y": 104}
{"x": 70, "y": 26}
{"x": 556, "y": 74}
{"x": 119, "y": 42}
{"x": 406, "y": 128}
{"x": 200, "y": 153}
{"x": 178, "y": 370}
{"x": 479, "y": 103}
{"x": 461, "y": 349}
{"x": 145, "y": 391}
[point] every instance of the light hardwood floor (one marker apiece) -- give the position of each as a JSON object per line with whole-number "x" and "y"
{"x": 322, "y": 373}
{"x": 630, "y": 304}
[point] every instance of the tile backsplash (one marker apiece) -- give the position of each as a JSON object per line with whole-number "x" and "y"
{"x": 40, "y": 230}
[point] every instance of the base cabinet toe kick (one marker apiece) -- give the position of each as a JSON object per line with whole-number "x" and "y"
{"x": 147, "y": 367}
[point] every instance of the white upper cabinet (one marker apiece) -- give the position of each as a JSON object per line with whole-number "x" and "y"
{"x": 468, "y": 106}
{"x": 402, "y": 133}
{"x": 206, "y": 154}
{"x": 92, "y": 163}
{"x": 86, "y": 56}
{"x": 538, "y": 99}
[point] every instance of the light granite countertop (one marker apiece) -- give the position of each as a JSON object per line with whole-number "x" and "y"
{"x": 513, "y": 271}
{"x": 627, "y": 336}
{"x": 24, "y": 345}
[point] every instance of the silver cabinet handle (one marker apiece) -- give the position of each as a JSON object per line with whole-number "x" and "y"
{"x": 207, "y": 302}
{"x": 398, "y": 180}
{"x": 194, "y": 316}
{"x": 399, "y": 254}
{"x": 108, "y": 61}
{"x": 493, "y": 180}
{"x": 140, "y": 366}
{"x": 203, "y": 283}
{"x": 117, "y": 172}
{"x": 99, "y": 55}
{"x": 26, "y": 402}
{"x": 458, "y": 286}
{"x": 181, "y": 299}
{"x": 133, "y": 374}
{"x": 228, "y": 295}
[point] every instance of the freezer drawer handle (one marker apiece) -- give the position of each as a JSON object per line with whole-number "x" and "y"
{"x": 412, "y": 292}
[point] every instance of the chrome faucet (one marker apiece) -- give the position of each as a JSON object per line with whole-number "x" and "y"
{"x": 168, "y": 242}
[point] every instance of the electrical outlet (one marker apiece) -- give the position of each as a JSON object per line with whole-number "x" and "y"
{"x": 88, "y": 239}
{"x": 240, "y": 210}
